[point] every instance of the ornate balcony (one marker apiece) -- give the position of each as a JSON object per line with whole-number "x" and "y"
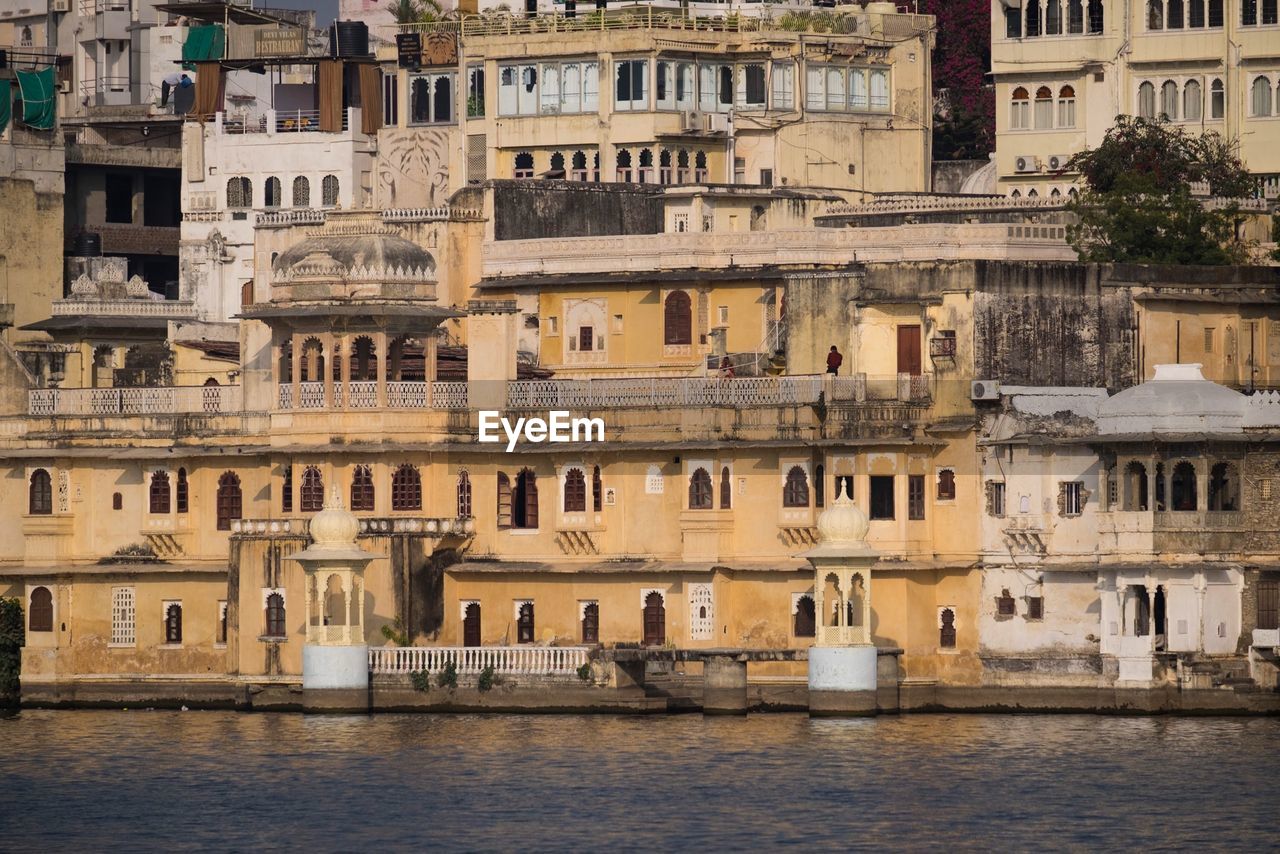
{"x": 505, "y": 660}
{"x": 167, "y": 400}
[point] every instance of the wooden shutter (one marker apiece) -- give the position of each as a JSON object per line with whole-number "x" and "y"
{"x": 575, "y": 491}
{"x": 41, "y": 615}
{"x": 597, "y": 490}
{"x": 677, "y": 319}
{"x": 1269, "y": 602}
{"x": 504, "y": 500}
{"x": 471, "y": 625}
{"x": 726, "y": 489}
{"x": 530, "y": 499}
{"x": 909, "y": 350}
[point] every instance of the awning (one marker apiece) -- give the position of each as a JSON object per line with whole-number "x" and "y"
{"x": 203, "y": 44}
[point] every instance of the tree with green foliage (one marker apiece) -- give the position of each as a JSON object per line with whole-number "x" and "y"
{"x": 415, "y": 11}
{"x": 1138, "y": 206}
{"x": 12, "y": 638}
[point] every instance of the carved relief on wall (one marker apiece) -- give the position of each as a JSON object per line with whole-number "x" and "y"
{"x": 413, "y": 169}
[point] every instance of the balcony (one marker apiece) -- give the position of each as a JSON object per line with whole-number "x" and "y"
{"x": 370, "y": 526}
{"x": 1266, "y": 638}
{"x": 168, "y": 400}
{"x": 363, "y": 394}
{"x": 1180, "y": 531}
{"x": 278, "y": 121}
{"x": 470, "y": 660}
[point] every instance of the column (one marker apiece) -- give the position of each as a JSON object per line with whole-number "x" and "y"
{"x": 347, "y": 353}
{"x": 380, "y": 342}
{"x": 866, "y": 608}
{"x": 429, "y": 366}
{"x": 346, "y": 613}
{"x": 1202, "y": 484}
{"x": 326, "y": 350}
{"x": 724, "y": 685}
{"x": 295, "y": 343}
{"x": 1151, "y": 483}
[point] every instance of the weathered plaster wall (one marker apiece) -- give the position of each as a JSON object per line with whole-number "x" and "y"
{"x": 535, "y": 209}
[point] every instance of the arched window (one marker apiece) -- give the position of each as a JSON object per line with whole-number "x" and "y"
{"x": 301, "y": 192}
{"x": 1075, "y": 17}
{"x": 364, "y": 360}
{"x": 159, "y": 492}
{"x": 1044, "y": 108}
{"x": 591, "y": 623}
{"x": 597, "y": 490}
{"x": 805, "y": 621}
{"x": 406, "y": 488}
{"x": 25, "y": 38}
{"x": 624, "y": 166}
{"x": 1183, "y": 486}
{"x": 677, "y": 319}
{"x": 655, "y": 620}
{"x": 1147, "y": 100}
{"x": 1191, "y": 101}
{"x": 1155, "y": 14}
{"x": 40, "y": 494}
{"x": 239, "y": 193}
{"x": 947, "y": 629}
{"x": 1217, "y": 100}
{"x": 524, "y": 623}
{"x": 312, "y": 490}
{"x": 1033, "y": 18}
{"x": 40, "y": 613}
{"x": 471, "y": 624}
{"x": 645, "y": 173}
{"x": 575, "y": 491}
{"x": 1135, "y": 486}
{"x": 700, "y": 490}
{"x": 329, "y": 191}
{"x": 524, "y": 165}
{"x": 1016, "y": 194}
{"x": 557, "y": 164}
{"x": 464, "y": 495}
{"x": 1066, "y": 107}
{"x": 524, "y": 501}
{"x": 579, "y": 166}
{"x": 1173, "y": 18}
{"x": 1095, "y": 16}
{"x": 362, "y": 488}
{"x": 173, "y": 623}
{"x": 286, "y": 362}
{"x": 819, "y": 486}
{"x": 664, "y": 167}
{"x": 183, "y": 492}
{"x": 1020, "y": 109}
{"x": 726, "y": 489}
{"x": 1224, "y": 488}
{"x": 275, "y": 616}
{"x": 228, "y": 500}
{"x": 311, "y": 368}
{"x": 795, "y": 492}
{"x": 1053, "y": 18}
{"x": 1260, "y": 97}
{"x": 700, "y": 166}
{"x": 271, "y": 198}
{"x": 946, "y": 485}
{"x": 1169, "y": 100}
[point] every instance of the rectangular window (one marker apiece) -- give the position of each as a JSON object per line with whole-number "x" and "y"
{"x": 1066, "y": 112}
{"x": 1269, "y": 601}
{"x": 880, "y": 89}
{"x": 686, "y": 86}
{"x": 586, "y": 336}
{"x": 390, "y": 100}
{"x": 858, "y": 98}
{"x": 722, "y": 315}
{"x": 517, "y": 90}
{"x": 750, "y": 90}
{"x": 664, "y": 88}
{"x": 1035, "y": 607}
{"x": 549, "y": 88}
{"x": 783, "y": 80}
{"x": 1208, "y": 340}
{"x": 995, "y": 498}
{"x": 1013, "y": 22}
{"x": 475, "y": 91}
{"x": 119, "y": 197}
{"x": 882, "y": 497}
{"x": 631, "y": 84}
{"x": 766, "y": 177}
{"x": 1072, "y": 498}
{"x": 915, "y": 496}
{"x": 836, "y": 81}
{"x": 430, "y": 99}
{"x": 122, "y": 616}
{"x": 1248, "y": 12}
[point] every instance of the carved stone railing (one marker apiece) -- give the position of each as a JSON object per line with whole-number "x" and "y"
{"x": 363, "y": 394}
{"x": 663, "y": 392}
{"x": 175, "y": 309}
{"x": 370, "y": 526}
{"x": 923, "y": 203}
{"x": 170, "y": 400}
{"x": 304, "y": 216}
{"x": 469, "y": 660}
{"x": 449, "y": 395}
{"x": 443, "y": 213}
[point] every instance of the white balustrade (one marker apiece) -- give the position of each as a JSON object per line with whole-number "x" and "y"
{"x": 285, "y": 399}
{"x": 407, "y": 395}
{"x": 505, "y": 660}
{"x": 311, "y": 395}
{"x": 362, "y": 394}
{"x": 162, "y": 400}
{"x": 664, "y": 392}
{"x": 449, "y": 395}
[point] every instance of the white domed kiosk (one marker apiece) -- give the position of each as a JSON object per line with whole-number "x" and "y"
{"x": 842, "y": 661}
{"x": 335, "y": 659}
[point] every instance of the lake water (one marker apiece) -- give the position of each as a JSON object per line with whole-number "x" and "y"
{"x": 158, "y": 779}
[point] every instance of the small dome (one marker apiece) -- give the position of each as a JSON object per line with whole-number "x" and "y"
{"x": 334, "y": 527}
{"x": 842, "y": 522}
{"x": 1178, "y": 399}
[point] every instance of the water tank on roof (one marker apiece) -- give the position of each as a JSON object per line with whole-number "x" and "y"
{"x": 86, "y": 244}
{"x": 348, "y": 38}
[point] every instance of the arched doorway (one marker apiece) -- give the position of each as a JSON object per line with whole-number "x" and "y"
{"x": 655, "y": 620}
{"x": 471, "y": 625}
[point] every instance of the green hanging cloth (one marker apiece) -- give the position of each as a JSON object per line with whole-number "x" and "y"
{"x": 6, "y": 105}
{"x": 39, "y": 98}
{"x": 203, "y": 44}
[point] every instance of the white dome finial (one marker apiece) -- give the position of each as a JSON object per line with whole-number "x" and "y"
{"x": 334, "y": 527}
{"x": 842, "y": 522}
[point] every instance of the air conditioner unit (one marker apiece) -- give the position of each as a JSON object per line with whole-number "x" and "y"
{"x": 984, "y": 390}
{"x": 1057, "y": 162}
{"x": 64, "y": 86}
{"x": 1026, "y": 163}
{"x": 717, "y": 123}
{"x": 691, "y": 120}
{"x": 60, "y": 6}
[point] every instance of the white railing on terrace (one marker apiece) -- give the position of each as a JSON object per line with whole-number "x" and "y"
{"x": 276, "y": 121}
{"x": 437, "y": 214}
{"x": 470, "y": 660}
{"x": 171, "y": 400}
{"x": 449, "y": 395}
{"x": 363, "y": 394}
{"x": 298, "y": 216}
{"x": 124, "y": 307}
{"x": 906, "y": 204}
{"x": 660, "y": 391}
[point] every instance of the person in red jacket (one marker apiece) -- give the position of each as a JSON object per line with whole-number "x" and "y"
{"x": 834, "y": 360}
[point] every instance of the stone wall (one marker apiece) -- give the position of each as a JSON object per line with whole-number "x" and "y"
{"x": 525, "y": 210}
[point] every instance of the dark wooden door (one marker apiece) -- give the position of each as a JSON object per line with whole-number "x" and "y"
{"x": 1269, "y": 602}
{"x": 655, "y": 620}
{"x": 471, "y": 625}
{"x": 909, "y": 350}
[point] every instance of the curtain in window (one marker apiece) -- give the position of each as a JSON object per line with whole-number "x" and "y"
{"x": 329, "y": 90}
{"x": 1191, "y": 101}
{"x": 1169, "y": 99}
{"x": 1260, "y": 97}
{"x": 210, "y": 87}
{"x": 1147, "y": 100}
{"x": 1044, "y": 108}
{"x": 370, "y": 89}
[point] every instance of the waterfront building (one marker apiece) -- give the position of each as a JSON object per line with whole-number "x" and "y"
{"x": 1064, "y": 69}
